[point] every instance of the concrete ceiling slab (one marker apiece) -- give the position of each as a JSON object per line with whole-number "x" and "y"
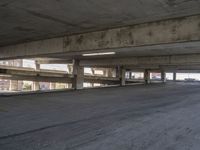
{"x": 27, "y": 20}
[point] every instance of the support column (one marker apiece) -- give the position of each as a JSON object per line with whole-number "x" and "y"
{"x": 130, "y": 74}
{"x": 36, "y": 85}
{"x": 174, "y": 76}
{"x": 163, "y": 76}
{"x": 122, "y": 76}
{"x": 93, "y": 71}
{"x": 146, "y": 76}
{"x": 117, "y": 70}
{"x": 78, "y": 72}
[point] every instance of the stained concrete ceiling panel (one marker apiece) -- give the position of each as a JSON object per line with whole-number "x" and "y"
{"x": 27, "y": 20}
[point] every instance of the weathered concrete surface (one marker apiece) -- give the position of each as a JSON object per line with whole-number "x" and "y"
{"x": 154, "y": 117}
{"x": 53, "y": 61}
{"x": 78, "y": 73}
{"x": 178, "y": 31}
{"x": 22, "y": 73}
{"x": 27, "y": 20}
{"x": 147, "y": 61}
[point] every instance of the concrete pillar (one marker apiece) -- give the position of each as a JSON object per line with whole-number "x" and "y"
{"x": 130, "y": 75}
{"x": 146, "y": 76}
{"x": 117, "y": 69}
{"x": 78, "y": 72}
{"x": 122, "y": 76}
{"x": 93, "y": 71}
{"x": 163, "y": 76}
{"x": 174, "y": 76}
{"x": 36, "y": 85}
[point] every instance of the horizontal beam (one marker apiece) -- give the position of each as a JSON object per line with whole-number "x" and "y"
{"x": 33, "y": 73}
{"x": 151, "y": 62}
{"x": 185, "y": 29}
{"x": 37, "y": 78}
{"x": 102, "y": 80}
{"x": 53, "y": 61}
{"x": 47, "y": 76}
{"x": 89, "y": 79}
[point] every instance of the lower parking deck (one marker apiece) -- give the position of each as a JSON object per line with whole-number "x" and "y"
{"x": 139, "y": 117}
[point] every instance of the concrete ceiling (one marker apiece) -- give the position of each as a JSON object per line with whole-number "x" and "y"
{"x": 27, "y": 20}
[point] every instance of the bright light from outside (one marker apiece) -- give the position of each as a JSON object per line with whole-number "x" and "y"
{"x": 155, "y": 76}
{"x": 28, "y": 63}
{"x": 137, "y": 75}
{"x": 188, "y": 76}
{"x": 58, "y": 67}
{"x": 169, "y": 76}
{"x": 87, "y": 70}
{"x": 99, "y": 54}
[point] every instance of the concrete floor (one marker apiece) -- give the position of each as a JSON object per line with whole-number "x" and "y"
{"x": 153, "y": 117}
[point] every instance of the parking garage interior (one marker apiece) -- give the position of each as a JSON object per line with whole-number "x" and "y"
{"x": 99, "y": 75}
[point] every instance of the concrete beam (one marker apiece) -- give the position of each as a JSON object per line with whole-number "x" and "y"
{"x": 146, "y": 62}
{"x": 53, "y": 61}
{"x": 37, "y": 78}
{"x": 185, "y": 29}
{"x": 27, "y": 72}
{"x": 15, "y": 73}
{"x": 102, "y": 80}
{"x": 89, "y": 79}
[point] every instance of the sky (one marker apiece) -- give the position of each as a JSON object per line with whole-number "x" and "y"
{"x": 31, "y": 64}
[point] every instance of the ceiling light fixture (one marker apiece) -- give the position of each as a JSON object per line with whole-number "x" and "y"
{"x": 99, "y": 54}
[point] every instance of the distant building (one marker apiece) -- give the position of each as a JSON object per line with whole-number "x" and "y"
{"x": 11, "y": 85}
